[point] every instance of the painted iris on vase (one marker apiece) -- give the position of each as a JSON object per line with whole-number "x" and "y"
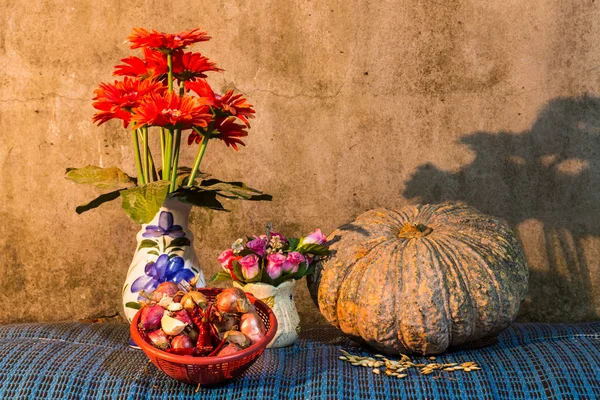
{"x": 165, "y": 227}
{"x": 163, "y": 270}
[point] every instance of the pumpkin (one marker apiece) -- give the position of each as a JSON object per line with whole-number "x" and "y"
{"x": 421, "y": 279}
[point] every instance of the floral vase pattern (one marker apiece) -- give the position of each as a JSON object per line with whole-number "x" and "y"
{"x": 165, "y": 253}
{"x": 281, "y": 300}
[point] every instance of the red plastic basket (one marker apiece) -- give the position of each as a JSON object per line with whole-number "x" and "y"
{"x": 209, "y": 370}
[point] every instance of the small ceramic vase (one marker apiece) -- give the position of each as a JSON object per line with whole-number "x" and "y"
{"x": 165, "y": 253}
{"x": 281, "y": 300}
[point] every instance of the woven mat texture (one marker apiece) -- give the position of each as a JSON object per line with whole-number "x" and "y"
{"x": 92, "y": 361}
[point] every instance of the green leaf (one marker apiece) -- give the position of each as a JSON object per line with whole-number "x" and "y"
{"x": 234, "y": 190}
{"x": 147, "y": 243}
{"x": 103, "y": 178}
{"x": 103, "y": 198}
{"x": 133, "y": 304}
{"x": 199, "y": 198}
{"x": 184, "y": 172}
{"x": 237, "y": 270}
{"x": 301, "y": 271}
{"x": 176, "y": 249}
{"x": 220, "y": 276}
{"x": 246, "y": 251}
{"x": 153, "y": 252}
{"x": 180, "y": 241}
{"x": 313, "y": 248}
{"x": 142, "y": 203}
{"x": 293, "y": 243}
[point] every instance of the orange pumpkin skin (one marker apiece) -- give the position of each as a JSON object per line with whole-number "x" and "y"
{"x": 422, "y": 278}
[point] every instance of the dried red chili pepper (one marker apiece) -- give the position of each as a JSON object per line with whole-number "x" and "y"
{"x": 204, "y": 343}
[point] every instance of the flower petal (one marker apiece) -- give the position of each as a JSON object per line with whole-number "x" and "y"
{"x": 175, "y": 265}
{"x": 161, "y": 267}
{"x": 153, "y": 231}
{"x": 182, "y": 275}
{"x": 165, "y": 220}
{"x": 150, "y": 269}
{"x": 144, "y": 282}
{"x": 176, "y": 231}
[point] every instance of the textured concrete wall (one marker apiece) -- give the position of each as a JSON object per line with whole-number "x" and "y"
{"x": 361, "y": 104}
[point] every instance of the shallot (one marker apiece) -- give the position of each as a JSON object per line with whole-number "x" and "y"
{"x": 192, "y": 299}
{"x": 232, "y": 301}
{"x": 252, "y": 326}
{"x": 231, "y": 348}
{"x": 150, "y": 317}
{"x": 238, "y": 338}
{"x": 165, "y": 289}
{"x": 182, "y": 341}
{"x": 159, "y": 338}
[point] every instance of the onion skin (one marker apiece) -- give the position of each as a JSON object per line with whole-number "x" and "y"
{"x": 183, "y": 316}
{"x": 229, "y": 349}
{"x": 159, "y": 339}
{"x": 182, "y": 341}
{"x": 224, "y": 322}
{"x": 165, "y": 288}
{"x": 193, "y": 298}
{"x": 232, "y": 301}
{"x": 252, "y": 326}
{"x": 238, "y": 338}
{"x": 150, "y": 318}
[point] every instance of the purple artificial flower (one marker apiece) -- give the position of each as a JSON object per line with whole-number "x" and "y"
{"x": 316, "y": 237}
{"x": 258, "y": 245}
{"x": 250, "y": 266}
{"x": 165, "y": 227}
{"x": 294, "y": 259}
{"x": 275, "y": 264}
{"x": 163, "y": 270}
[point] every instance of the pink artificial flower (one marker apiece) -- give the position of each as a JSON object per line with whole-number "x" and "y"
{"x": 316, "y": 237}
{"x": 250, "y": 266}
{"x": 294, "y": 259}
{"x": 258, "y": 245}
{"x": 226, "y": 259}
{"x": 275, "y": 264}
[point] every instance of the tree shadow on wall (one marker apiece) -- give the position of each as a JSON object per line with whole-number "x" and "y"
{"x": 550, "y": 173}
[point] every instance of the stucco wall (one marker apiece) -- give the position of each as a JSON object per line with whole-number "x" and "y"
{"x": 360, "y": 104}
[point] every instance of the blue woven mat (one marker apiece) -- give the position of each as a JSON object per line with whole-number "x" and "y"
{"x": 92, "y": 361}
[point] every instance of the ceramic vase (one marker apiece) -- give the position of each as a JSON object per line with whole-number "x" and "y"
{"x": 281, "y": 300}
{"x": 165, "y": 253}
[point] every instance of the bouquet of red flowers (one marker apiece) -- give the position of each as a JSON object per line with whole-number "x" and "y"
{"x": 271, "y": 258}
{"x": 165, "y": 92}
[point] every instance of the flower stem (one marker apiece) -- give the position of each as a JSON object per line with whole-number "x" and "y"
{"x": 199, "y": 156}
{"x": 138, "y": 161}
{"x": 146, "y": 157}
{"x": 152, "y": 166}
{"x": 168, "y": 154}
{"x": 162, "y": 150}
{"x": 170, "y": 65}
{"x": 175, "y": 159}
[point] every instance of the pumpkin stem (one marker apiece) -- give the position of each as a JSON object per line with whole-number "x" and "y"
{"x": 409, "y": 231}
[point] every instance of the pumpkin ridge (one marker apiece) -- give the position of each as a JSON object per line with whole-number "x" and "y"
{"x": 461, "y": 322}
{"x": 436, "y": 264}
{"x": 341, "y": 300}
{"x": 490, "y": 314}
{"x": 373, "y": 309}
{"x": 453, "y": 254}
{"x": 505, "y": 312}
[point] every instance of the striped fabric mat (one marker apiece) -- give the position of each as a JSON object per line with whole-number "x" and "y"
{"x": 92, "y": 361}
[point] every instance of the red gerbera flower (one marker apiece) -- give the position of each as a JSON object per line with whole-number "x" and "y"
{"x": 230, "y": 132}
{"x": 116, "y": 100}
{"x": 172, "y": 111}
{"x": 165, "y": 42}
{"x": 153, "y": 65}
{"x": 231, "y": 104}
{"x": 190, "y": 66}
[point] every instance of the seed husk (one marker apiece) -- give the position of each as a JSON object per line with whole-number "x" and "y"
{"x": 356, "y": 364}
{"x": 432, "y": 358}
{"x": 343, "y": 358}
{"x": 401, "y": 375}
{"x": 379, "y": 356}
{"x": 376, "y": 371}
